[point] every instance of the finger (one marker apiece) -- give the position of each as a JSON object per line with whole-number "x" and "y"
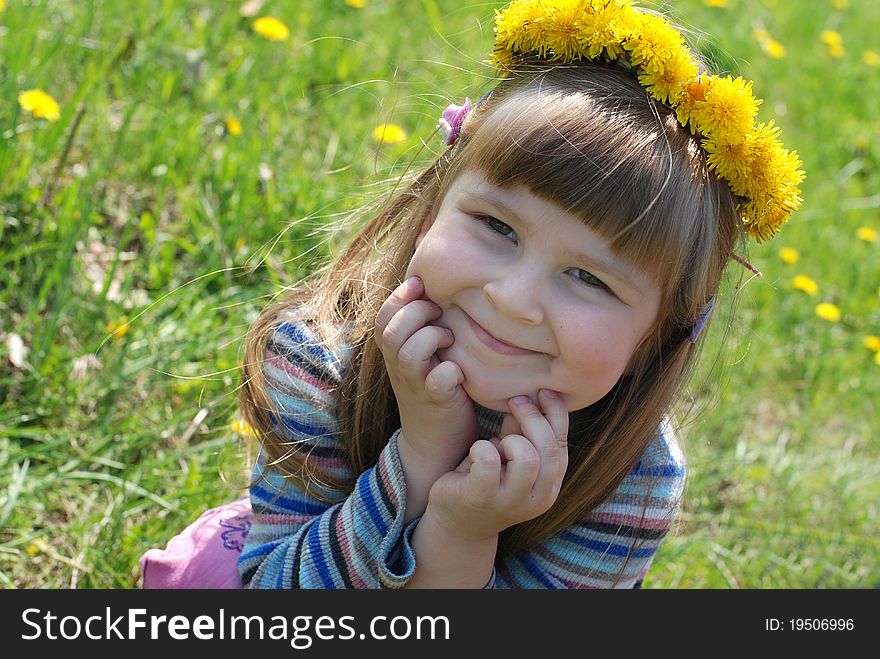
{"x": 537, "y": 428}
{"x": 418, "y": 356}
{"x": 510, "y": 426}
{"x": 484, "y": 478}
{"x": 443, "y": 380}
{"x": 406, "y": 322}
{"x": 521, "y": 467}
{"x": 406, "y": 292}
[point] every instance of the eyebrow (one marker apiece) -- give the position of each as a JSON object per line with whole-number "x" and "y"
{"x": 622, "y": 275}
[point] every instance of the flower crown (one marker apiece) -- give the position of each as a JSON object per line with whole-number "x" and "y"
{"x": 749, "y": 156}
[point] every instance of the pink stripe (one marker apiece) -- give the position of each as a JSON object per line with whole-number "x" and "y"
{"x": 292, "y": 369}
{"x": 341, "y": 534}
{"x": 654, "y": 523}
{"x": 385, "y": 478}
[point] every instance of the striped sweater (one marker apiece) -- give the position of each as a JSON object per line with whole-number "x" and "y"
{"x": 359, "y": 539}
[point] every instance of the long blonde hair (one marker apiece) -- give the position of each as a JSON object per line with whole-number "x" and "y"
{"x": 588, "y": 138}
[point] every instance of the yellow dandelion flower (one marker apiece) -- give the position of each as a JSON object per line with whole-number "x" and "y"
{"x": 692, "y": 94}
{"x": 789, "y": 255}
{"x": 761, "y": 34}
{"x": 715, "y": 3}
{"x": 836, "y": 51}
{"x": 730, "y": 162}
{"x": 389, "y": 134}
{"x": 872, "y": 343}
{"x": 653, "y": 43}
{"x": 840, "y": 4}
{"x": 773, "y": 48}
{"x": 271, "y": 28}
{"x": 357, "y": 4}
{"x": 667, "y": 85}
{"x": 831, "y": 38}
{"x": 603, "y": 30}
{"x": 871, "y": 58}
{"x": 805, "y": 284}
{"x": 877, "y": 358}
{"x": 2, "y": 5}
{"x": 867, "y": 234}
{"x": 243, "y": 428}
{"x": 233, "y": 126}
{"x": 563, "y": 33}
{"x": 118, "y": 328}
{"x": 39, "y": 104}
{"x": 828, "y": 311}
{"x": 729, "y": 109}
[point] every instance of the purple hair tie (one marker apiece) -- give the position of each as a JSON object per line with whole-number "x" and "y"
{"x": 451, "y": 120}
{"x": 701, "y": 321}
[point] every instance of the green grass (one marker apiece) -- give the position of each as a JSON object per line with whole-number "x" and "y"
{"x": 139, "y": 205}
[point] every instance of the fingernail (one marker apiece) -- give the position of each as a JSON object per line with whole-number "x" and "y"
{"x": 520, "y": 400}
{"x": 415, "y": 281}
{"x": 550, "y": 393}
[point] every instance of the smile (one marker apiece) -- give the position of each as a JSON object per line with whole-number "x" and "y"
{"x": 496, "y": 345}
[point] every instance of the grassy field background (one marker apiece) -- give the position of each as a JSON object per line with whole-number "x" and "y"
{"x": 182, "y": 187}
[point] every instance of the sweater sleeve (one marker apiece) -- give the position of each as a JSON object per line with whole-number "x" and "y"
{"x": 614, "y": 544}
{"x": 296, "y": 540}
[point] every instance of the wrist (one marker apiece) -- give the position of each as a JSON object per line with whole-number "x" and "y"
{"x": 460, "y": 536}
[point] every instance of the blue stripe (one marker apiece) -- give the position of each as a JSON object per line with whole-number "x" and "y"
{"x": 665, "y": 470}
{"x": 535, "y": 571}
{"x": 308, "y": 343}
{"x": 302, "y": 428}
{"x": 318, "y": 554}
{"x": 289, "y": 504}
{"x": 262, "y": 550}
{"x": 370, "y": 503}
{"x": 279, "y": 582}
{"x": 606, "y": 547}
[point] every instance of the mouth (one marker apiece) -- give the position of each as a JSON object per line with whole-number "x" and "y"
{"x": 495, "y": 344}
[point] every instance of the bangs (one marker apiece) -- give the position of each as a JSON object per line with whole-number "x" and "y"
{"x": 607, "y": 155}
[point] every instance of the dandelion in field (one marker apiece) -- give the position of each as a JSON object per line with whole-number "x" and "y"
{"x": 715, "y": 3}
{"x": 243, "y": 428}
{"x": 871, "y": 58}
{"x": 768, "y": 44}
{"x": 233, "y": 126}
{"x": 357, "y": 4}
{"x": 872, "y": 343}
{"x": 833, "y": 42}
{"x": 828, "y": 311}
{"x": 118, "y": 328}
{"x": 39, "y": 104}
{"x": 805, "y": 284}
{"x": 867, "y": 234}
{"x": 840, "y": 4}
{"x": 389, "y": 134}
{"x": 860, "y": 143}
{"x": 271, "y": 28}
{"x": 789, "y": 255}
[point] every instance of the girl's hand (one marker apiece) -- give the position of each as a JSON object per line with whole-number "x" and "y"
{"x": 437, "y": 417}
{"x": 506, "y": 481}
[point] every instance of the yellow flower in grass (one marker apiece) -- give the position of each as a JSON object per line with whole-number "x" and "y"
{"x": 233, "y": 126}
{"x": 872, "y": 343}
{"x": 840, "y": 4}
{"x": 715, "y": 3}
{"x": 271, "y": 28}
{"x": 357, "y": 4}
{"x": 833, "y": 43}
{"x": 243, "y": 428}
{"x": 867, "y": 234}
{"x": 871, "y": 58}
{"x": 789, "y": 255}
{"x": 773, "y": 48}
{"x": 828, "y": 311}
{"x": 39, "y": 104}
{"x": 877, "y": 358}
{"x": 805, "y": 284}
{"x": 118, "y": 328}
{"x": 389, "y": 134}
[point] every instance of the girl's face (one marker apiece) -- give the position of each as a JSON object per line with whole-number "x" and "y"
{"x": 535, "y": 299}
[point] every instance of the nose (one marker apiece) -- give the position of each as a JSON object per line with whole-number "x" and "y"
{"x": 516, "y": 293}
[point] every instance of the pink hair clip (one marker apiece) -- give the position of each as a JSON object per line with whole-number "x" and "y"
{"x": 451, "y": 120}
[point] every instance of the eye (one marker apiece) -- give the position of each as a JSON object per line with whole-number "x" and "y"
{"x": 590, "y": 279}
{"x": 498, "y": 226}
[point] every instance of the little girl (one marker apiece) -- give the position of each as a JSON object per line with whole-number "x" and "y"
{"x": 478, "y": 392}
